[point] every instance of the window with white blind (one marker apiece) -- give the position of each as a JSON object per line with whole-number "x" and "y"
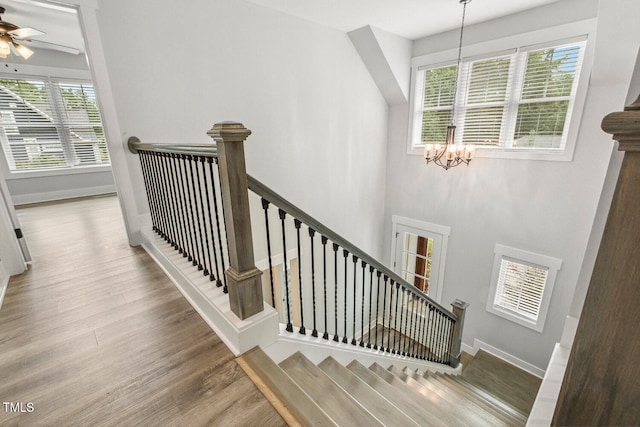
{"x": 50, "y": 124}
{"x": 517, "y": 101}
{"x": 521, "y": 286}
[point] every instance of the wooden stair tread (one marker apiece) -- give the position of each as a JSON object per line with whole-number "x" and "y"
{"x": 454, "y": 413}
{"x": 488, "y": 397}
{"x": 374, "y": 402}
{"x": 411, "y": 406}
{"x": 462, "y": 396}
{"x": 496, "y": 411}
{"x": 334, "y": 401}
{"x": 301, "y": 407}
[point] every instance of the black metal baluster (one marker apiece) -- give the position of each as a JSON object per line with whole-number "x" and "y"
{"x": 179, "y": 242}
{"x": 194, "y": 218}
{"x": 324, "y": 283}
{"x": 161, "y": 194}
{"x": 401, "y": 335}
{"x": 265, "y": 207}
{"x": 410, "y": 314}
{"x": 375, "y": 342}
{"x": 312, "y": 233}
{"x": 225, "y": 289}
{"x": 148, "y": 188}
{"x": 437, "y": 343}
{"x": 345, "y": 253}
{"x": 283, "y": 216}
{"x": 384, "y": 308}
{"x": 211, "y": 193}
{"x": 206, "y": 220}
{"x": 395, "y": 315}
{"x": 336, "y": 337}
{"x": 414, "y": 326}
{"x": 171, "y": 209}
{"x": 363, "y": 264}
{"x": 355, "y": 271}
{"x": 165, "y": 198}
{"x": 423, "y": 338}
{"x": 187, "y": 220}
{"x": 198, "y": 236}
{"x": 175, "y": 165}
{"x": 220, "y": 229}
{"x": 371, "y": 269}
{"x": 430, "y": 333}
{"x": 206, "y": 253}
{"x": 297, "y": 225}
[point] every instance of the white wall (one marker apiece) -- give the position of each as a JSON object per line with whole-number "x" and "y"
{"x": 319, "y": 123}
{"x": 540, "y": 206}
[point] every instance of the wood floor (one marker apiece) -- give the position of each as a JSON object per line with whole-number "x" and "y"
{"x": 95, "y": 334}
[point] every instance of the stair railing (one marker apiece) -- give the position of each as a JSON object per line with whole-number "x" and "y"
{"x": 199, "y": 204}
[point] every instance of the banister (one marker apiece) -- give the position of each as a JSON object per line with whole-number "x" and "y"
{"x": 271, "y": 196}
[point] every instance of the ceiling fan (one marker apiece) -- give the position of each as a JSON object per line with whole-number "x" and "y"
{"x": 12, "y": 36}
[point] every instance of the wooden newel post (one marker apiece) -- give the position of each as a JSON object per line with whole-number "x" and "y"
{"x": 600, "y": 385}
{"x": 243, "y": 278}
{"x": 459, "y": 308}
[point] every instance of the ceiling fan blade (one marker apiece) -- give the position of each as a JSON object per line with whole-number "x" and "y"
{"x": 21, "y": 50}
{"x": 25, "y": 32}
{"x": 53, "y": 46}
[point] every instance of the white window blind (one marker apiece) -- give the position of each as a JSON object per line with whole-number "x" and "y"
{"x": 521, "y": 100}
{"x": 47, "y": 124}
{"x": 520, "y": 287}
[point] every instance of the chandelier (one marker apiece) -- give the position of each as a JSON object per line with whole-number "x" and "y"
{"x": 450, "y": 154}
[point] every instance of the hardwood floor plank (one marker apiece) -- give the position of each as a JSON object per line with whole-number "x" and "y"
{"x": 95, "y": 334}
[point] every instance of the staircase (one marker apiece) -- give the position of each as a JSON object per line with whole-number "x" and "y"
{"x": 332, "y": 394}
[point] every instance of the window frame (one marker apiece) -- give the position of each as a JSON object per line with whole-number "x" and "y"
{"x": 58, "y": 80}
{"x": 552, "y": 265}
{"x": 574, "y": 32}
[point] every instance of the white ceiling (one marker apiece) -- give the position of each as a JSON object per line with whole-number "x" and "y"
{"x": 411, "y": 19}
{"x": 60, "y": 24}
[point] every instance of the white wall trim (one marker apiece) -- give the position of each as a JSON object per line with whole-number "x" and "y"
{"x": 71, "y": 193}
{"x": 210, "y": 302}
{"x": 526, "y": 366}
{"x": 4, "y": 283}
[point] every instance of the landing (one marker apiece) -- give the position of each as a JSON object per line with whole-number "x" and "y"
{"x": 508, "y": 383}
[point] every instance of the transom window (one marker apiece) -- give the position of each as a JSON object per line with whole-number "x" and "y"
{"x": 516, "y": 100}
{"x": 47, "y": 124}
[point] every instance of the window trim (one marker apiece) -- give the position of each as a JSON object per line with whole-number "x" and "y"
{"x": 552, "y": 264}
{"x": 546, "y": 37}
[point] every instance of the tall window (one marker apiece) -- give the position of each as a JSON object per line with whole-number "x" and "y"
{"x": 521, "y": 286}
{"x": 47, "y": 124}
{"x": 516, "y": 100}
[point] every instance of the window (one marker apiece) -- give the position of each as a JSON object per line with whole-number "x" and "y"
{"x": 518, "y": 101}
{"x": 47, "y": 124}
{"x": 521, "y": 286}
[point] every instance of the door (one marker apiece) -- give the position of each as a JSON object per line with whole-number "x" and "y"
{"x": 419, "y": 256}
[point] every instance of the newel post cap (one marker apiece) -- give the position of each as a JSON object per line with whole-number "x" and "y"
{"x": 229, "y": 132}
{"x": 625, "y": 126}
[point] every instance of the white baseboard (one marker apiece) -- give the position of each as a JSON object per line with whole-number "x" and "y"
{"x": 525, "y": 366}
{"x": 48, "y": 196}
{"x": 210, "y": 302}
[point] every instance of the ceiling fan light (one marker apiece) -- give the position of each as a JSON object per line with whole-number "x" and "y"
{"x": 4, "y": 51}
{"x": 24, "y": 51}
